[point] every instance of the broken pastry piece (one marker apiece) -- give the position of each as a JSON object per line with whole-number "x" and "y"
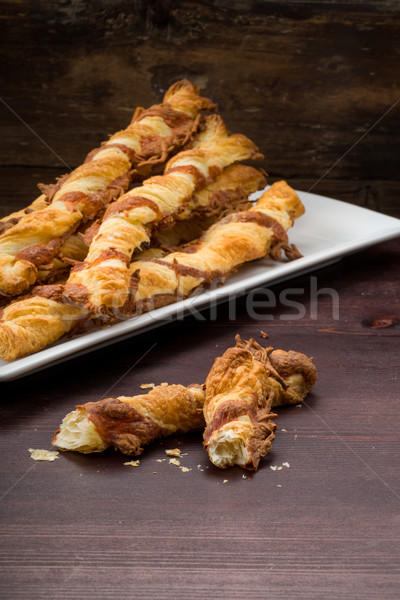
{"x": 237, "y": 410}
{"x": 241, "y": 388}
{"x": 129, "y": 423}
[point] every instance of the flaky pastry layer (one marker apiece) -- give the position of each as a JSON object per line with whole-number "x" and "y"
{"x": 129, "y": 423}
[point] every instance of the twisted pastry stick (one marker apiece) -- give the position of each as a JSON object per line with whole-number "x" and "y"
{"x": 128, "y": 423}
{"x": 95, "y": 426}
{"x": 232, "y": 241}
{"x": 102, "y": 283}
{"x": 80, "y": 195}
{"x": 237, "y": 408}
{"x": 236, "y": 239}
{"x": 241, "y": 388}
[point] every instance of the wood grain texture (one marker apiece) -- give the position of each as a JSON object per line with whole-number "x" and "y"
{"x": 88, "y": 526}
{"x": 305, "y": 80}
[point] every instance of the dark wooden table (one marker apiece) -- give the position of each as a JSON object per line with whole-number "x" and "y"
{"x": 316, "y": 86}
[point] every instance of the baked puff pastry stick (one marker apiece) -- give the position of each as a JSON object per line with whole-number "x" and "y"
{"x": 129, "y": 423}
{"x": 241, "y": 388}
{"x": 237, "y": 408}
{"x": 232, "y": 241}
{"x": 236, "y": 239}
{"x": 80, "y": 195}
{"x": 103, "y": 283}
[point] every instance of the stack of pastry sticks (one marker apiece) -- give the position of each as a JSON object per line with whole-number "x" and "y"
{"x": 75, "y": 254}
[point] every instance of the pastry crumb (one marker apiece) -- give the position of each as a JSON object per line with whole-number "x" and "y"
{"x": 48, "y": 455}
{"x": 273, "y": 467}
{"x": 154, "y": 472}
{"x": 278, "y": 485}
{"x": 283, "y": 429}
{"x": 132, "y": 463}
{"x": 173, "y": 452}
{"x": 174, "y": 461}
{"x": 148, "y": 386}
{"x": 264, "y": 335}
{"x": 225, "y": 481}
{"x": 285, "y": 464}
{"x": 279, "y": 468}
{"x": 298, "y": 405}
{"x": 244, "y": 477}
{"x": 185, "y": 469}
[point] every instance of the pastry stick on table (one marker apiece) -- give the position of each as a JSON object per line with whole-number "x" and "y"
{"x": 151, "y": 137}
{"x": 241, "y": 388}
{"x": 236, "y": 239}
{"x": 128, "y": 423}
{"x": 102, "y": 283}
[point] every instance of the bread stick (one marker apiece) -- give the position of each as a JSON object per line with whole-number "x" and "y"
{"x": 80, "y": 195}
{"x": 102, "y": 283}
{"x": 93, "y": 427}
{"x": 128, "y": 423}
{"x": 232, "y": 241}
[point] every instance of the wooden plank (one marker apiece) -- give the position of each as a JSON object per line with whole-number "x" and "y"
{"x": 305, "y": 82}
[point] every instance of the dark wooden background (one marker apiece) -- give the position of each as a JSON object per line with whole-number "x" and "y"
{"x": 305, "y": 80}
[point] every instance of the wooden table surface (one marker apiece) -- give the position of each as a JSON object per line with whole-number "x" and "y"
{"x": 316, "y": 86}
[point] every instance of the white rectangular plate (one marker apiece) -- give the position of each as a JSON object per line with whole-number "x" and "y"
{"x": 329, "y": 230}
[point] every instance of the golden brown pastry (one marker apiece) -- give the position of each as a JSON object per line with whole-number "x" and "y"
{"x": 237, "y": 409}
{"x": 151, "y": 137}
{"x": 129, "y": 423}
{"x": 41, "y": 201}
{"x": 102, "y": 283}
{"x": 234, "y": 240}
{"x": 241, "y": 388}
{"x": 228, "y": 193}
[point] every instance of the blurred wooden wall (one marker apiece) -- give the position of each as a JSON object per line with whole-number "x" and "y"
{"x": 305, "y": 80}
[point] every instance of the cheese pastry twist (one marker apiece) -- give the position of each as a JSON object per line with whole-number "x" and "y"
{"x": 232, "y": 241}
{"x": 102, "y": 283}
{"x": 80, "y": 195}
{"x": 237, "y": 409}
{"x": 127, "y": 423}
{"x": 236, "y": 239}
{"x": 241, "y": 388}
{"x": 227, "y": 193}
